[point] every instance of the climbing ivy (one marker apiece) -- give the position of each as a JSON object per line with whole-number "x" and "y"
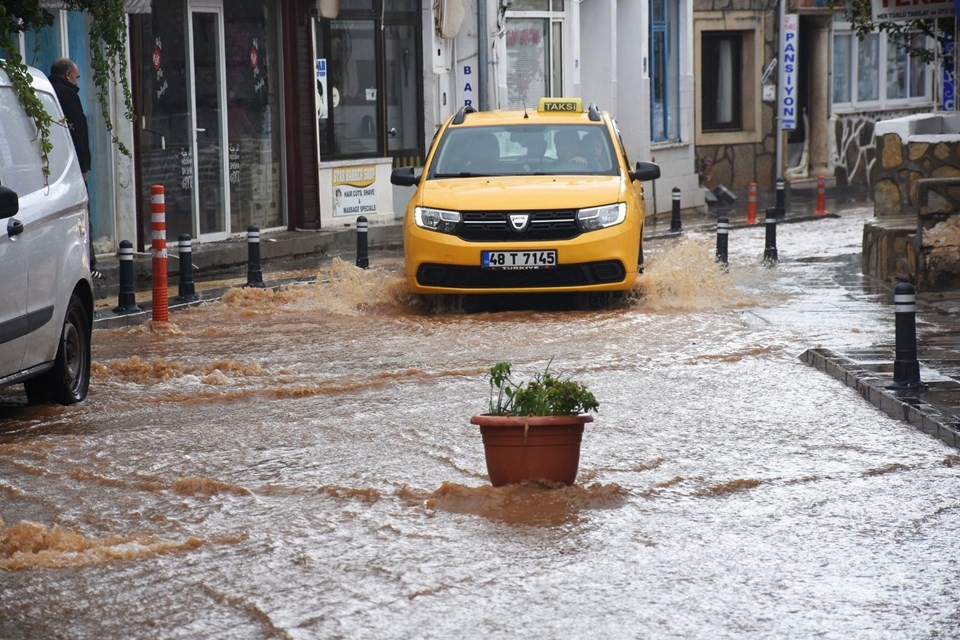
{"x": 108, "y": 59}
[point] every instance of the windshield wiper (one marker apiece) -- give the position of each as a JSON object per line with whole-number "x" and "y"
{"x": 462, "y": 174}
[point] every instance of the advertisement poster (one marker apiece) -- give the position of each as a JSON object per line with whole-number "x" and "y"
{"x": 322, "y": 88}
{"x": 353, "y": 191}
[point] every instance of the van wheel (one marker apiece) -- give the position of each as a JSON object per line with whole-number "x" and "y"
{"x": 69, "y": 380}
{"x": 640, "y": 260}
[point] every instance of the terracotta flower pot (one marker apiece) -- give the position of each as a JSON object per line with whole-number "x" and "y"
{"x": 531, "y": 448}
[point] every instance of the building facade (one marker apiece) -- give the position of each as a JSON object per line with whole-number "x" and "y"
{"x": 291, "y": 114}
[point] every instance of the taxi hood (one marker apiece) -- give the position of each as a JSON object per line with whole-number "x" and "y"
{"x": 521, "y": 192}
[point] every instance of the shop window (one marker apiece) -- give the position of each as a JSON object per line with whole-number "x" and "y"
{"x": 533, "y": 48}
{"x": 664, "y": 71}
{"x": 722, "y": 74}
{"x": 368, "y": 86}
{"x": 876, "y": 71}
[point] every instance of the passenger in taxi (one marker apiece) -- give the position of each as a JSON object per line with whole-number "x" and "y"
{"x": 567, "y": 142}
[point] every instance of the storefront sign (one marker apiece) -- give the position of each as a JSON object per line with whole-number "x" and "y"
{"x": 322, "y": 88}
{"x": 789, "y": 47}
{"x": 353, "y": 191}
{"x": 896, "y": 10}
{"x": 466, "y": 85}
{"x": 949, "y": 86}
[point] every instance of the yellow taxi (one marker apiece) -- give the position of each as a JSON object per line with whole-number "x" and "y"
{"x": 533, "y": 202}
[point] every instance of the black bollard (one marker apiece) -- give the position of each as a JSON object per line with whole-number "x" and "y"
{"x": 770, "y": 249}
{"x": 675, "y": 224}
{"x": 906, "y": 367}
{"x": 781, "y": 198}
{"x": 362, "y": 260}
{"x": 127, "y": 299}
{"x": 254, "y": 274}
{"x": 723, "y": 232}
{"x": 187, "y": 291}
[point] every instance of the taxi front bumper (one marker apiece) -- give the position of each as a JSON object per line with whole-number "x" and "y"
{"x": 603, "y": 260}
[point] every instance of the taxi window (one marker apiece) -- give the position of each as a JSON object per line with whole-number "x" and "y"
{"x": 535, "y": 149}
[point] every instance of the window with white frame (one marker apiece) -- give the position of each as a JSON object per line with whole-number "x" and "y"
{"x": 533, "y": 47}
{"x": 664, "y": 71}
{"x": 876, "y": 71}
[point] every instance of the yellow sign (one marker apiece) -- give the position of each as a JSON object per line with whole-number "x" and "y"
{"x": 353, "y": 190}
{"x": 561, "y": 105}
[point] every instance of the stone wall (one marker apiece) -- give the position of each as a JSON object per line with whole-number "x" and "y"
{"x": 910, "y": 149}
{"x": 916, "y": 234}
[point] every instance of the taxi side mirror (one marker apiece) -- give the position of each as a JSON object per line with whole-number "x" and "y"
{"x": 646, "y": 171}
{"x": 9, "y": 203}
{"x": 404, "y": 177}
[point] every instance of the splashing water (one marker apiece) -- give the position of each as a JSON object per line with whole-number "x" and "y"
{"x": 686, "y": 277}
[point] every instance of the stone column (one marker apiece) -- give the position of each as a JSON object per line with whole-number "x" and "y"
{"x": 820, "y": 74}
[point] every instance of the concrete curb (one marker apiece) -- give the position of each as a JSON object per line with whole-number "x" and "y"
{"x": 907, "y": 406}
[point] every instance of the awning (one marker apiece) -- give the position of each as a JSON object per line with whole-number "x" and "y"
{"x": 129, "y": 6}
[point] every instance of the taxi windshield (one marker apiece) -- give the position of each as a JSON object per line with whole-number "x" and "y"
{"x": 530, "y": 149}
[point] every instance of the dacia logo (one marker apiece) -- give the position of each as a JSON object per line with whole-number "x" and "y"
{"x": 519, "y": 221}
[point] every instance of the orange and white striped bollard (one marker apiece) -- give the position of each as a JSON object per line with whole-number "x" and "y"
{"x": 821, "y": 197}
{"x": 158, "y": 229}
{"x": 752, "y": 204}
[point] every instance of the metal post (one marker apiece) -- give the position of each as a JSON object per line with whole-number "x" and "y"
{"x": 187, "y": 292}
{"x": 127, "y": 299}
{"x": 362, "y": 260}
{"x": 906, "y": 367}
{"x": 254, "y": 274}
{"x": 723, "y": 232}
{"x": 653, "y": 188}
{"x": 781, "y": 198}
{"x": 770, "y": 249}
{"x": 675, "y": 224}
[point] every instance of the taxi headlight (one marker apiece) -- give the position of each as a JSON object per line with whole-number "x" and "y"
{"x": 602, "y": 217}
{"x": 436, "y": 219}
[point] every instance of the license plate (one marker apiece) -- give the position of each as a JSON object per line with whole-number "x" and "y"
{"x": 518, "y": 259}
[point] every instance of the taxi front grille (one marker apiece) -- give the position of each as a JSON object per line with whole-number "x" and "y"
{"x": 495, "y": 226}
{"x": 567, "y": 275}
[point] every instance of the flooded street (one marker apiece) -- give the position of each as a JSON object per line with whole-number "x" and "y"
{"x": 301, "y": 464}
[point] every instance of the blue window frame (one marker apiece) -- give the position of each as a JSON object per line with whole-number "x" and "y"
{"x": 664, "y": 71}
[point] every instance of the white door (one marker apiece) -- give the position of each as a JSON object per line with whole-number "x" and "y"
{"x": 210, "y": 159}
{"x": 13, "y": 296}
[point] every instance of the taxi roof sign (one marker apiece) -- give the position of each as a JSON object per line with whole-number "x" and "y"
{"x": 560, "y": 105}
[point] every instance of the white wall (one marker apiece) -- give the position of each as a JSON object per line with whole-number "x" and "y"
{"x": 598, "y": 51}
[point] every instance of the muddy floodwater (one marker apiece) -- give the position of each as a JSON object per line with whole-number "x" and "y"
{"x": 300, "y": 463}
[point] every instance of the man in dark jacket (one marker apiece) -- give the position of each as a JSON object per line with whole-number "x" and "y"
{"x": 65, "y": 76}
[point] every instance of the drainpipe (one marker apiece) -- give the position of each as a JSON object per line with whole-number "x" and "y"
{"x": 482, "y": 52}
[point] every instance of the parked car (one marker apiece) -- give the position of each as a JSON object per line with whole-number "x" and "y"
{"x": 517, "y": 201}
{"x": 46, "y": 293}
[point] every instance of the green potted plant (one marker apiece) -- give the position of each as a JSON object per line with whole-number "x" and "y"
{"x": 533, "y": 429}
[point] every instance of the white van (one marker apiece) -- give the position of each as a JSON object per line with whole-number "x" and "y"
{"x": 46, "y": 294}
